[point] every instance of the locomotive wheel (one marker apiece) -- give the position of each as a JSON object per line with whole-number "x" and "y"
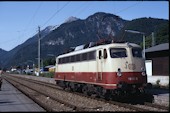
{"x": 107, "y": 94}
{"x": 85, "y": 90}
{"x": 68, "y": 86}
{"x": 72, "y": 87}
{"x": 148, "y": 97}
{"x": 61, "y": 84}
{"x": 118, "y": 95}
{"x": 98, "y": 92}
{"x": 103, "y": 93}
{"x": 79, "y": 88}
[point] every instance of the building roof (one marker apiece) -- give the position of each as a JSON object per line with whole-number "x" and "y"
{"x": 160, "y": 47}
{"x": 49, "y": 66}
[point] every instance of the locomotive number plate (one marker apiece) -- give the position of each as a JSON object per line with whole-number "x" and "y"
{"x": 132, "y": 78}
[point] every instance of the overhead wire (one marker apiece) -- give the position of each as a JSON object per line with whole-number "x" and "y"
{"x": 55, "y": 13}
{"x": 124, "y": 10}
{"x": 31, "y": 20}
{"x": 24, "y": 30}
{"x": 128, "y": 7}
{"x": 82, "y": 8}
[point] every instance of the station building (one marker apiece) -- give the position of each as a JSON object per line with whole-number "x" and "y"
{"x": 157, "y": 64}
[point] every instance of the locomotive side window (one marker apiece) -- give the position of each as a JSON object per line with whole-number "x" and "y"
{"x": 137, "y": 52}
{"x": 84, "y": 56}
{"x": 118, "y": 52}
{"x": 72, "y": 58}
{"x": 59, "y": 61}
{"x": 67, "y": 59}
{"x": 64, "y": 60}
{"x": 92, "y": 55}
{"x": 78, "y": 57}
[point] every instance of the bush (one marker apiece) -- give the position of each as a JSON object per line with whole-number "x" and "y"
{"x": 47, "y": 74}
{"x": 158, "y": 82}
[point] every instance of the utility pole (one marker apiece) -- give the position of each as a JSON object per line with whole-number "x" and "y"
{"x": 153, "y": 39}
{"x": 39, "y": 50}
{"x": 143, "y": 44}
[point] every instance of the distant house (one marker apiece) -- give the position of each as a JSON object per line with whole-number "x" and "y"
{"x": 157, "y": 64}
{"x": 50, "y": 68}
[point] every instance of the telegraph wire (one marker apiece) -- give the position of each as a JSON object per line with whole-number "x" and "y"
{"x": 124, "y": 10}
{"x": 24, "y": 30}
{"x": 82, "y": 8}
{"x": 128, "y": 7}
{"x": 30, "y": 22}
{"x": 49, "y": 18}
{"x": 55, "y": 14}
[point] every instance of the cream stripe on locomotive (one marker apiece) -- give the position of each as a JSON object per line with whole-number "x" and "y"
{"x": 126, "y": 64}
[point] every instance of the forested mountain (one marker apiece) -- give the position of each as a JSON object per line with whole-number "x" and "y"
{"x": 2, "y": 53}
{"x": 76, "y": 32}
{"x": 160, "y": 27}
{"x": 161, "y": 35}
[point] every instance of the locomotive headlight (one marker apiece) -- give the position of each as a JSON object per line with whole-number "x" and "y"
{"x": 119, "y": 73}
{"x": 143, "y": 71}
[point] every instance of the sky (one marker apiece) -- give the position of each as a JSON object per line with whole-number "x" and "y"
{"x": 19, "y": 20}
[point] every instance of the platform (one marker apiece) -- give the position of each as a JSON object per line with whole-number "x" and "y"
{"x": 12, "y": 100}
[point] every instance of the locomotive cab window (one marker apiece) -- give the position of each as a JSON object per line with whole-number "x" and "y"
{"x": 137, "y": 52}
{"x": 118, "y": 52}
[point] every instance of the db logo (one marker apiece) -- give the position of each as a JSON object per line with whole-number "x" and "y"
{"x": 132, "y": 66}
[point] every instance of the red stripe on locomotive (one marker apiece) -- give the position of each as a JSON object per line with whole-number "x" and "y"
{"x": 108, "y": 80}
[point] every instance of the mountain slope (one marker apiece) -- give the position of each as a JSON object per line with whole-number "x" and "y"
{"x": 82, "y": 31}
{"x": 145, "y": 25}
{"x": 19, "y": 54}
{"x": 2, "y": 53}
{"x": 70, "y": 34}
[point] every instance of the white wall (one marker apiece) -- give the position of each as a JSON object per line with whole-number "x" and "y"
{"x": 148, "y": 64}
{"x": 164, "y": 80}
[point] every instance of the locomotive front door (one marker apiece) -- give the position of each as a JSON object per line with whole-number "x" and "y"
{"x": 99, "y": 64}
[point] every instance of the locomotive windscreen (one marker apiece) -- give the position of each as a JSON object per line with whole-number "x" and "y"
{"x": 137, "y": 52}
{"x": 118, "y": 52}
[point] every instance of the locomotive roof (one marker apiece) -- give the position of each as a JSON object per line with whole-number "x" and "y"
{"x": 98, "y": 47}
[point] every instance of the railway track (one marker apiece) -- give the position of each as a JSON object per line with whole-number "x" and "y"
{"x": 76, "y": 107}
{"x": 46, "y": 97}
{"x": 157, "y": 106}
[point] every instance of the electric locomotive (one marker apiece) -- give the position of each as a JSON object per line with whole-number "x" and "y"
{"x": 107, "y": 69}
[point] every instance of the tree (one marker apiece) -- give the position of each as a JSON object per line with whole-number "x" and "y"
{"x": 49, "y": 61}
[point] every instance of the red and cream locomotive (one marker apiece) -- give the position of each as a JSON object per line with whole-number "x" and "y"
{"x": 104, "y": 69}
